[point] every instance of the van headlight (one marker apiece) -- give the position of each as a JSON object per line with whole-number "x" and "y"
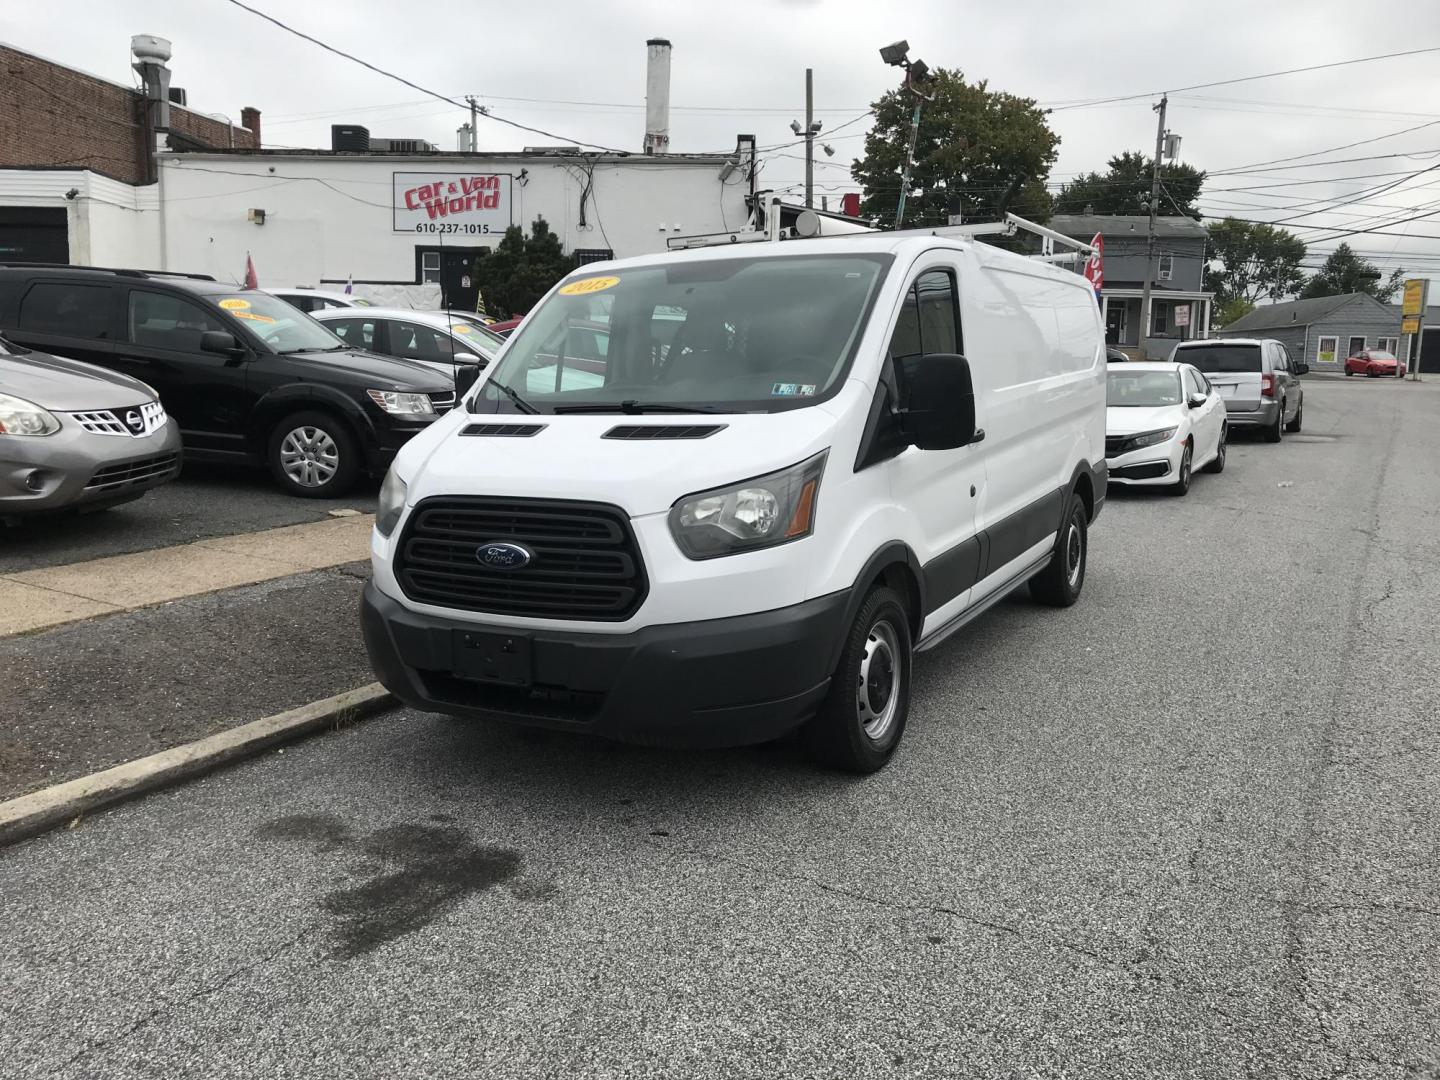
{"x": 762, "y": 512}
{"x": 392, "y": 503}
{"x": 21, "y": 417}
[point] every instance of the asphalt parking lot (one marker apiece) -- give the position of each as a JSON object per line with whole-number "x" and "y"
{"x": 205, "y": 502}
{"x": 1186, "y": 828}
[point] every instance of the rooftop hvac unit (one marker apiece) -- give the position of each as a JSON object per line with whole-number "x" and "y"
{"x": 178, "y": 96}
{"x": 350, "y": 137}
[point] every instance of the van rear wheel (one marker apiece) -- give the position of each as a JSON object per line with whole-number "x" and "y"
{"x": 1059, "y": 584}
{"x": 859, "y": 724}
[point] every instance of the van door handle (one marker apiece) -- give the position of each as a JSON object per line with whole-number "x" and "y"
{"x": 979, "y": 435}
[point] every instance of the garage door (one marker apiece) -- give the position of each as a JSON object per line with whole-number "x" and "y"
{"x": 34, "y": 234}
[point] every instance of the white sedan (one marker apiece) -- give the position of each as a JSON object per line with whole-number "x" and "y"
{"x": 448, "y": 344}
{"x": 1162, "y": 422}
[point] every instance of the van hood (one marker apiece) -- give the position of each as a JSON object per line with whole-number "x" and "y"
{"x": 1132, "y": 420}
{"x": 571, "y": 459}
{"x": 64, "y": 385}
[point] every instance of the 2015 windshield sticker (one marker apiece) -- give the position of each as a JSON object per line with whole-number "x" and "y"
{"x": 234, "y": 303}
{"x": 464, "y": 328}
{"x": 790, "y": 389}
{"x": 589, "y": 285}
{"x": 252, "y": 316}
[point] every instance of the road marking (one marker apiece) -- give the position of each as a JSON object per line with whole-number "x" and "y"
{"x": 38, "y": 599}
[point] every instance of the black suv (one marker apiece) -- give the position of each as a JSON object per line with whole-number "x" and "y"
{"x": 247, "y": 377}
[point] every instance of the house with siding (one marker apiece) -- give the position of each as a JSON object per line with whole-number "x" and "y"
{"x": 1179, "y": 305}
{"x": 1325, "y": 330}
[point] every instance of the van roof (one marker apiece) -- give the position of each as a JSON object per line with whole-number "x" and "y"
{"x": 1224, "y": 341}
{"x": 898, "y": 244}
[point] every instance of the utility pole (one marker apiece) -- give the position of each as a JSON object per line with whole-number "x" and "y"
{"x": 909, "y": 161}
{"x": 1145, "y": 323}
{"x": 474, "y": 122}
{"x": 809, "y": 138}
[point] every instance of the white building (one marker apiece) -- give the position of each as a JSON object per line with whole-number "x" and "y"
{"x": 393, "y": 222}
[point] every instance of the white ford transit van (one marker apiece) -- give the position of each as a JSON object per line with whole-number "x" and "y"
{"x": 711, "y": 496}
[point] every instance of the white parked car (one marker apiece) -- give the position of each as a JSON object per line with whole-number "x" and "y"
{"x": 313, "y": 300}
{"x": 452, "y": 346}
{"x": 788, "y": 467}
{"x": 1162, "y": 422}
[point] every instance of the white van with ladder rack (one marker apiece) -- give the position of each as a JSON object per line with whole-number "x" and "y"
{"x": 713, "y": 496}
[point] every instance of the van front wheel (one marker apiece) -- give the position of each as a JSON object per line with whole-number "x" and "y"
{"x": 860, "y": 722}
{"x": 1059, "y": 584}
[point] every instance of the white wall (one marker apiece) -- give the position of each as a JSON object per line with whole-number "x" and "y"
{"x": 330, "y": 218}
{"x": 110, "y": 223}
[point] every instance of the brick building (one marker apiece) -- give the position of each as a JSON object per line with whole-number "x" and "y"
{"x": 77, "y": 162}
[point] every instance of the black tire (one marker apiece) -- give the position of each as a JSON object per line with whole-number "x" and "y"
{"x": 1275, "y": 432}
{"x": 1348, "y": 373}
{"x": 314, "y": 445}
{"x": 1181, "y": 486}
{"x": 1372, "y": 374}
{"x": 878, "y": 646}
{"x": 1299, "y": 421}
{"x": 1217, "y": 463}
{"x": 1059, "y": 584}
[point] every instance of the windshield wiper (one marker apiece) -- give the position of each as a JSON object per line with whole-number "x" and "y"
{"x": 520, "y": 402}
{"x": 632, "y": 407}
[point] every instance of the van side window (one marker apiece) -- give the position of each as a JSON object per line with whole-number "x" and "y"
{"x": 929, "y": 321}
{"x": 168, "y": 322}
{"x": 78, "y": 311}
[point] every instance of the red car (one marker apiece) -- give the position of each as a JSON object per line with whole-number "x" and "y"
{"x": 504, "y": 327}
{"x": 1373, "y": 363}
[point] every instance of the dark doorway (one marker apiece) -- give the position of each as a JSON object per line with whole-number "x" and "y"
{"x": 34, "y": 234}
{"x": 455, "y": 270}
{"x": 1115, "y": 323}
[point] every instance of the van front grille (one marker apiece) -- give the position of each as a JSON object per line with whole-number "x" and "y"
{"x": 583, "y": 562}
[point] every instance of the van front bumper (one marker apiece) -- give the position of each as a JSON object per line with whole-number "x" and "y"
{"x": 721, "y": 682}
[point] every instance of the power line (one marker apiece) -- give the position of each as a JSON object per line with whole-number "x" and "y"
{"x": 413, "y": 85}
{"x": 1245, "y": 79}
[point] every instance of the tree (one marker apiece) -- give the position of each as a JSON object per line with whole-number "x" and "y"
{"x": 1125, "y": 188}
{"x": 1236, "y": 307}
{"x": 1345, "y": 272}
{"x": 522, "y": 269}
{"x": 1257, "y": 262}
{"x": 983, "y": 151}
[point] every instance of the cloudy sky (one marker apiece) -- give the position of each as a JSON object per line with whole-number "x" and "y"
{"x": 577, "y": 70}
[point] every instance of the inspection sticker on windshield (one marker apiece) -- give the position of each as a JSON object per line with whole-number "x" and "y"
{"x": 589, "y": 285}
{"x": 790, "y": 389}
{"x": 234, "y": 303}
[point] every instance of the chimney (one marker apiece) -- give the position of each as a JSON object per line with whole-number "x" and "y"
{"x": 250, "y": 118}
{"x": 657, "y": 96}
{"x": 151, "y": 53}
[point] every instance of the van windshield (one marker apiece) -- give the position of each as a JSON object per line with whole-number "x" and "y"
{"x": 1224, "y": 359}
{"x": 731, "y": 335}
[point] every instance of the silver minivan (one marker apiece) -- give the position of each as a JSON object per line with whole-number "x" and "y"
{"x": 1257, "y": 377}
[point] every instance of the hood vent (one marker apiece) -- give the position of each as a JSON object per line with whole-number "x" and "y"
{"x": 514, "y": 431}
{"x": 663, "y": 431}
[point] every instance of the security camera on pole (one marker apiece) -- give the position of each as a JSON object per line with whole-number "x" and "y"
{"x": 810, "y": 130}
{"x": 917, "y": 73}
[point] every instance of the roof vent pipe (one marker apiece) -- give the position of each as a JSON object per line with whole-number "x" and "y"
{"x": 657, "y": 96}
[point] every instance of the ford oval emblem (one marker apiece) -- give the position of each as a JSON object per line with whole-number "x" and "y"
{"x": 498, "y": 555}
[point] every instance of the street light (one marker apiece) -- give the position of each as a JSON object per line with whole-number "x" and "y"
{"x": 894, "y": 54}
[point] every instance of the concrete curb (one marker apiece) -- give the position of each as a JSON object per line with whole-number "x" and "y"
{"x": 32, "y": 814}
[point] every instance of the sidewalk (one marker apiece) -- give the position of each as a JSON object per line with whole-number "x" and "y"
{"x": 110, "y": 660}
{"x": 35, "y": 599}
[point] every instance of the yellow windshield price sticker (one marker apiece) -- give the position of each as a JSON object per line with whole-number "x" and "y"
{"x": 252, "y": 316}
{"x": 234, "y": 303}
{"x": 464, "y": 328}
{"x": 589, "y": 285}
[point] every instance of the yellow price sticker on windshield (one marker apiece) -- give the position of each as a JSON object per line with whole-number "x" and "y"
{"x": 464, "y": 328}
{"x": 234, "y": 303}
{"x": 589, "y": 285}
{"x": 252, "y": 316}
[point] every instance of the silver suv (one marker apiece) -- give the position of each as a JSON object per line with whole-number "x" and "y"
{"x": 1257, "y": 377}
{"x": 77, "y": 436}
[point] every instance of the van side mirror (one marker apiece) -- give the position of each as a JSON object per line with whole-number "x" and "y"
{"x": 937, "y": 401}
{"x": 1301, "y": 369}
{"x": 222, "y": 342}
{"x": 1198, "y": 401}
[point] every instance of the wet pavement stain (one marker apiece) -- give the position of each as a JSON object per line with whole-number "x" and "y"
{"x": 417, "y": 873}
